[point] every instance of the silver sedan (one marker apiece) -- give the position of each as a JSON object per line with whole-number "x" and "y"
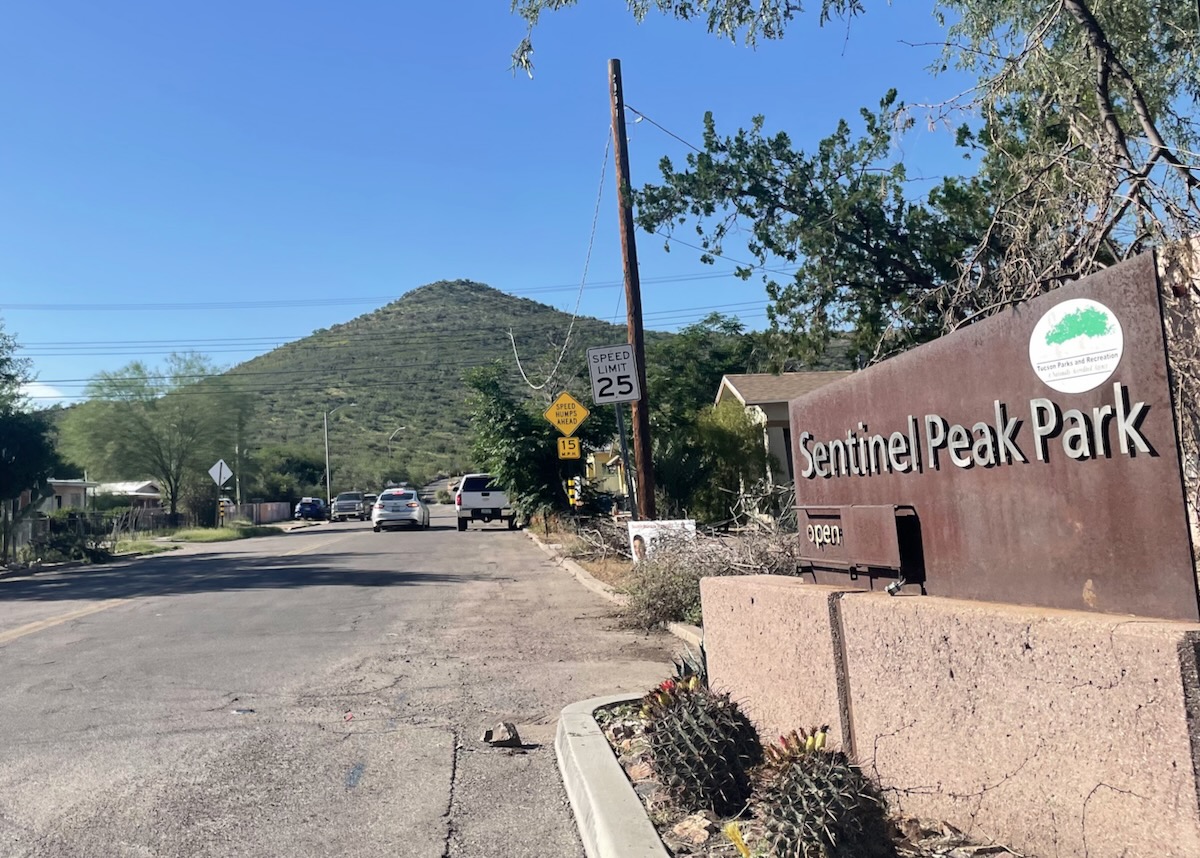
{"x": 396, "y": 507}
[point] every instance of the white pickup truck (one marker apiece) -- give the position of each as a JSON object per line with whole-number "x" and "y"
{"x": 478, "y": 500}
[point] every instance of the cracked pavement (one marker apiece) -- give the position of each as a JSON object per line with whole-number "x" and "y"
{"x": 319, "y": 693}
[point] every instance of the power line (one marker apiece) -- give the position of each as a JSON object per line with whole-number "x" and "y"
{"x": 267, "y": 382}
{"x": 640, "y": 116}
{"x": 324, "y": 340}
{"x": 324, "y": 302}
{"x": 372, "y": 367}
{"x": 671, "y": 238}
{"x": 579, "y": 297}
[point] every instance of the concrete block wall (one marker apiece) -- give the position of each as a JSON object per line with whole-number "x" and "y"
{"x": 1056, "y": 732}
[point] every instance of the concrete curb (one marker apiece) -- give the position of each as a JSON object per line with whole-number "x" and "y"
{"x": 611, "y": 819}
{"x": 691, "y": 635}
{"x": 48, "y": 568}
{"x": 78, "y": 564}
{"x": 580, "y": 574}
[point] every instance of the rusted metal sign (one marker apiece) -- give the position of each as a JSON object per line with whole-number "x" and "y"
{"x": 1034, "y": 455}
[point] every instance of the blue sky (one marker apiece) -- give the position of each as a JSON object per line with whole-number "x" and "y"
{"x": 294, "y": 165}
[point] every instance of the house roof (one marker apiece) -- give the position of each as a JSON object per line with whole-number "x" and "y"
{"x": 79, "y": 484}
{"x": 144, "y": 488}
{"x": 761, "y": 388}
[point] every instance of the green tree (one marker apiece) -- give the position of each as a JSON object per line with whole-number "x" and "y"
{"x": 684, "y": 372}
{"x": 27, "y": 454}
{"x": 1085, "y": 145}
{"x": 701, "y": 467}
{"x": 732, "y": 19}
{"x": 288, "y": 473}
{"x": 868, "y": 257}
{"x": 14, "y": 372}
{"x": 514, "y": 442}
{"x": 170, "y": 423}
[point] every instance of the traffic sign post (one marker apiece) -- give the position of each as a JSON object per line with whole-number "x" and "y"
{"x": 569, "y": 448}
{"x": 566, "y": 413}
{"x": 220, "y": 474}
{"x": 614, "y": 374}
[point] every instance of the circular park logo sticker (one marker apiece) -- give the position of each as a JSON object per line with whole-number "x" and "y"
{"x": 1076, "y": 345}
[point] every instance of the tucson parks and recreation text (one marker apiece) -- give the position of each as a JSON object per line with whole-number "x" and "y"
{"x": 930, "y": 441}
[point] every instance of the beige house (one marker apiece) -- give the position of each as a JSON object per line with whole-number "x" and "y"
{"x": 140, "y": 493}
{"x": 765, "y": 397}
{"x": 68, "y": 494}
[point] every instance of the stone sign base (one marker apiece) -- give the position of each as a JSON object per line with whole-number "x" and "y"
{"x": 1053, "y": 732}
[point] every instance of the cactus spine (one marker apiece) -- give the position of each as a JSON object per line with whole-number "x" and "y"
{"x": 816, "y": 803}
{"x": 702, "y": 746}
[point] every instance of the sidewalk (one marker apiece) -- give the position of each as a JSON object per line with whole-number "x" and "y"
{"x": 610, "y": 816}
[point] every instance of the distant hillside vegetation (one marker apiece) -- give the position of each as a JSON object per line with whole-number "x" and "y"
{"x": 403, "y": 366}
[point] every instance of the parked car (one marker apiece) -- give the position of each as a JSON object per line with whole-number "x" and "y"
{"x": 477, "y": 499}
{"x": 369, "y": 500}
{"x": 396, "y": 507}
{"x": 310, "y": 509}
{"x": 349, "y": 505}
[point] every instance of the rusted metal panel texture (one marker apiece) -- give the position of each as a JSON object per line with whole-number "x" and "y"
{"x": 860, "y": 536}
{"x": 1019, "y": 498}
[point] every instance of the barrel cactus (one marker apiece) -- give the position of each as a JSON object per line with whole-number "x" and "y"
{"x": 702, "y": 746}
{"x": 816, "y": 803}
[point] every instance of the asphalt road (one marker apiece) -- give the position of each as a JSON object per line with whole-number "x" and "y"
{"x": 315, "y": 694}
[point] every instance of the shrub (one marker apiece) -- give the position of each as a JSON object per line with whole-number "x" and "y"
{"x": 71, "y": 539}
{"x": 443, "y": 496}
{"x": 666, "y": 588}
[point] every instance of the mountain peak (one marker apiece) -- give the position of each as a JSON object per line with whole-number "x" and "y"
{"x": 402, "y": 365}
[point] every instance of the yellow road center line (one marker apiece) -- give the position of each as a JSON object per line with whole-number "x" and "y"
{"x": 307, "y": 548}
{"x": 79, "y": 613}
{"x": 42, "y": 625}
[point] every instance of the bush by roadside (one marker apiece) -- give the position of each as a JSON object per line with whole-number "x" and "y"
{"x": 225, "y": 534}
{"x": 666, "y": 587}
{"x": 69, "y": 536}
{"x": 142, "y": 547}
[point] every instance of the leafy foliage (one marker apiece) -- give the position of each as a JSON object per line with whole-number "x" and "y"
{"x": 516, "y": 444}
{"x": 73, "y": 536}
{"x": 170, "y": 424}
{"x": 868, "y": 256}
{"x": 14, "y": 372}
{"x": 27, "y": 455}
{"x": 684, "y": 372}
{"x": 288, "y": 473}
{"x": 733, "y": 19}
{"x": 1085, "y": 143}
{"x": 702, "y": 455}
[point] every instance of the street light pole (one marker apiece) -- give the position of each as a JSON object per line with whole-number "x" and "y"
{"x": 328, "y": 489}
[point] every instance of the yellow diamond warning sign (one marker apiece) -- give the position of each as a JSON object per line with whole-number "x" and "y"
{"x": 566, "y": 413}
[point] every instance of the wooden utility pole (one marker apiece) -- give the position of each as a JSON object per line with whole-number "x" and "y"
{"x": 633, "y": 298}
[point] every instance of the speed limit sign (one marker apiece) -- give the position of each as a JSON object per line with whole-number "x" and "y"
{"x": 614, "y": 374}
